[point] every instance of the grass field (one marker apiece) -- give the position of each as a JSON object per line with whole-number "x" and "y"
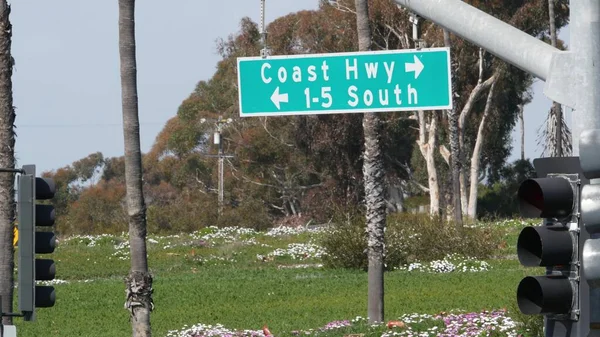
{"x": 245, "y": 280}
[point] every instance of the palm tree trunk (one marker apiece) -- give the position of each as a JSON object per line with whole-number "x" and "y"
{"x": 558, "y": 139}
{"x": 374, "y": 183}
{"x": 454, "y": 153}
{"x": 7, "y": 160}
{"x": 552, "y": 22}
{"x": 139, "y": 281}
{"x": 556, "y": 107}
{"x": 522, "y": 122}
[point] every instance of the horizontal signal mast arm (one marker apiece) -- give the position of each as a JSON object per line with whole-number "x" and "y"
{"x": 496, "y": 36}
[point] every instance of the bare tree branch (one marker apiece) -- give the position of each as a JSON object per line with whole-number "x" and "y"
{"x": 473, "y": 96}
{"x": 341, "y": 7}
{"x": 199, "y": 181}
{"x": 445, "y": 153}
{"x": 263, "y": 121}
{"x": 476, "y": 157}
{"x": 412, "y": 179}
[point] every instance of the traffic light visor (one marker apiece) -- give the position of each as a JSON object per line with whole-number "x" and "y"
{"x": 45, "y": 188}
{"x": 546, "y": 198}
{"x": 544, "y": 246}
{"x": 544, "y": 295}
{"x": 45, "y": 296}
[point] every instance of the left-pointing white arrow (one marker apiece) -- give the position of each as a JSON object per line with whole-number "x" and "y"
{"x": 278, "y": 98}
{"x": 417, "y": 67}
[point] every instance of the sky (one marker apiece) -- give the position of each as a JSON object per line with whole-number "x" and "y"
{"x": 535, "y": 115}
{"x": 66, "y": 83}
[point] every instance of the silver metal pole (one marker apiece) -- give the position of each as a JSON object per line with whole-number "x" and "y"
{"x": 495, "y": 36}
{"x": 585, "y": 43}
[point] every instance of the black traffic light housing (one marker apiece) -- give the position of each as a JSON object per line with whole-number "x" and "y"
{"x": 550, "y": 245}
{"x": 32, "y": 242}
{"x": 556, "y": 244}
{"x": 554, "y": 196}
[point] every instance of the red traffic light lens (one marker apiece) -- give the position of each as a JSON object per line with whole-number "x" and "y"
{"x": 546, "y": 198}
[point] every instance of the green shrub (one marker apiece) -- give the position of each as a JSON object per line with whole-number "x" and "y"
{"x": 528, "y": 325}
{"x": 422, "y": 238}
{"x": 99, "y": 209}
{"x": 499, "y": 199}
{"x": 249, "y": 214}
{"x": 409, "y": 238}
{"x": 185, "y": 213}
{"x": 346, "y": 244}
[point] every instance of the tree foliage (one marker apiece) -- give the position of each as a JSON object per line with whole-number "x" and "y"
{"x": 499, "y": 198}
{"x": 306, "y": 167}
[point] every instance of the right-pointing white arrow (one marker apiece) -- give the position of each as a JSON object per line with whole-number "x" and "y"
{"x": 278, "y": 98}
{"x": 417, "y": 67}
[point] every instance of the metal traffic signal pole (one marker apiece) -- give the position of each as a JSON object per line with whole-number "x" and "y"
{"x": 573, "y": 79}
{"x": 484, "y": 30}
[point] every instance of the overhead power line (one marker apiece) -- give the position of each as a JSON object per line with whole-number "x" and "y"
{"x": 83, "y": 125}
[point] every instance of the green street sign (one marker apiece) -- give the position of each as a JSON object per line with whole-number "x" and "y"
{"x": 391, "y": 80}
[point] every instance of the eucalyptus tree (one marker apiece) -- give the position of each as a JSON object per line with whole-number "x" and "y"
{"x": 476, "y": 75}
